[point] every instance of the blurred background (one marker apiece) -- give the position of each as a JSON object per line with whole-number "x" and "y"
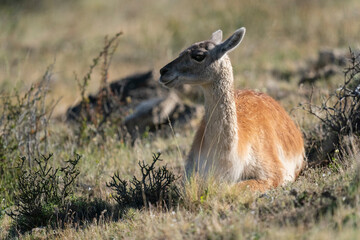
{"x": 294, "y": 50}
{"x": 280, "y": 35}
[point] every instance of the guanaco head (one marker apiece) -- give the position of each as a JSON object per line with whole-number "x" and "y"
{"x": 199, "y": 64}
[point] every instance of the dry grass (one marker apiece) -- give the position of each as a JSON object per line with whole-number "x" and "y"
{"x": 72, "y": 33}
{"x": 280, "y": 35}
{"x": 226, "y": 213}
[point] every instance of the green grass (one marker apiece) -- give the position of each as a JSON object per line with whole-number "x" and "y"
{"x": 321, "y": 204}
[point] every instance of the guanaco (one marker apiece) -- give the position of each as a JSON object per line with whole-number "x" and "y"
{"x": 245, "y": 136}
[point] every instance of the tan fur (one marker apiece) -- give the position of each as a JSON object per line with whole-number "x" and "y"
{"x": 262, "y": 124}
{"x": 245, "y": 136}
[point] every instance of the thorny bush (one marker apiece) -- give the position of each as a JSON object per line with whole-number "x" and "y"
{"x": 24, "y": 124}
{"x": 341, "y": 111}
{"x": 43, "y": 192}
{"x": 155, "y": 187}
{"x": 94, "y": 116}
{"x": 339, "y": 114}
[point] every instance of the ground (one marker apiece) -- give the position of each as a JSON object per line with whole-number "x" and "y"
{"x": 322, "y": 204}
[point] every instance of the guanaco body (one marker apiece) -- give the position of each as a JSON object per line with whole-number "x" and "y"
{"x": 244, "y": 136}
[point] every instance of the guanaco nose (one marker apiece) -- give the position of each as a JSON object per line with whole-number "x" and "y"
{"x": 164, "y": 70}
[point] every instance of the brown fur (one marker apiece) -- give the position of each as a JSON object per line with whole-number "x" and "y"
{"x": 263, "y": 123}
{"x": 245, "y": 136}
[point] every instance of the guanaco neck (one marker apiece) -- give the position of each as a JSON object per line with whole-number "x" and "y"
{"x": 221, "y": 133}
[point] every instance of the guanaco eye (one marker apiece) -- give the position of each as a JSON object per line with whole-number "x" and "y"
{"x": 198, "y": 57}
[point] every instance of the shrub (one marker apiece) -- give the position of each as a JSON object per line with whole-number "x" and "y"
{"x": 341, "y": 111}
{"x": 95, "y": 111}
{"x": 24, "y": 121}
{"x": 44, "y": 197}
{"x": 43, "y": 192}
{"x": 155, "y": 187}
{"x": 339, "y": 114}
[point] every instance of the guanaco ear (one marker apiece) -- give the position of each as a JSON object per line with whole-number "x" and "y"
{"x": 231, "y": 43}
{"x": 216, "y": 37}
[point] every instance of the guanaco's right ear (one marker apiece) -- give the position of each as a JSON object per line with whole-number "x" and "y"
{"x": 216, "y": 37}
{"x": 231, "y": 43}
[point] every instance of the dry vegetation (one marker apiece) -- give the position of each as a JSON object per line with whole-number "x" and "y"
{"x": 322, "y": 204}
